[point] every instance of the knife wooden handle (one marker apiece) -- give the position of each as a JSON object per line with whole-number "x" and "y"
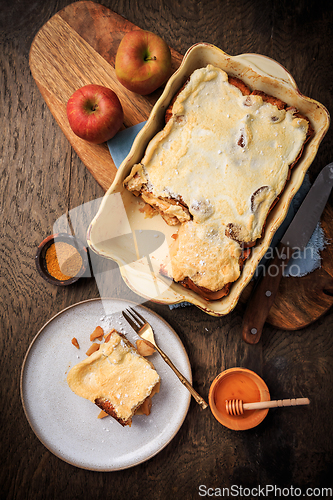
{"x": 263, "y": 295}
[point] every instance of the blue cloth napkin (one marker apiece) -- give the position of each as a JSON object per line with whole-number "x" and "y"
{"x": 120, "y": 145}
{"x": 308, "y": 260}
{"x": 300, "y": 265}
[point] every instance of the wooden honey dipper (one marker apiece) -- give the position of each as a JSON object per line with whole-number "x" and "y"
{"x": 236, "y": 406}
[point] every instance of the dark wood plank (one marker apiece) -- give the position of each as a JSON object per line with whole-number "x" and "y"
{"x": 300, "y": 301}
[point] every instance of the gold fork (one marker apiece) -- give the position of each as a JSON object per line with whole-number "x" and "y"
{"x": 145, "y": 331}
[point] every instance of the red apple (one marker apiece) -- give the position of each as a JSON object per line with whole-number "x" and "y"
{"x": 143, "y": 61}
{"x": 95, "y": 113}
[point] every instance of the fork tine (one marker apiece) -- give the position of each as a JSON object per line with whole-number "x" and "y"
{"x": 137, "y": 316}
{"x": 131, "y": 322}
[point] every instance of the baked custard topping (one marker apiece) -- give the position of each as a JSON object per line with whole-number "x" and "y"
{"x": 217, "y": 167}
{"x": 116, "y": 373}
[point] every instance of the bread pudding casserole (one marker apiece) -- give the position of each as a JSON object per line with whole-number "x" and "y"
{"x": 216, "y": 170}
{"x": 116, "y": 378}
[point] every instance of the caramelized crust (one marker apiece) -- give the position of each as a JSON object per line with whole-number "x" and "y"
{"x": 271, "y": 99}
{"x": 237, "y": 82}
{"x": 204, "y": 292}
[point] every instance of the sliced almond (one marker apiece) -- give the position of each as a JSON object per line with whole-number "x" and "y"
{"x": 107, "y": 337}
{"x": 97, "y": 333}
{"x": 145, "y": 408}
{"x": 102, "y": 414}
{"x": 75, "y": 342}
{"x": 144, "y": 348}
{"x": 93, "y": 348}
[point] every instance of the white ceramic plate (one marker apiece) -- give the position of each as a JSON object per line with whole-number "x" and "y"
{"x": 67, "y": 424}
{"x": 119, "y": 214}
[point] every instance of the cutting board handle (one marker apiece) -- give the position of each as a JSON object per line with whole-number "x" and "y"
{"x": 263, "y": 295}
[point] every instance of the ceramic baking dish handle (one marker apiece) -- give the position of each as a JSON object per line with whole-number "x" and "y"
{"x": 266, "y": 66}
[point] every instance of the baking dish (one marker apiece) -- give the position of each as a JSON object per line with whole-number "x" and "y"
{"x": 121, "y": 231}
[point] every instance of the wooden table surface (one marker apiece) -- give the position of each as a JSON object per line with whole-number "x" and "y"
{"x": 41, "y": 178}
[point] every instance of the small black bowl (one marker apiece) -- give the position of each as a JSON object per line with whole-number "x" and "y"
{"x": 41, "y": 253}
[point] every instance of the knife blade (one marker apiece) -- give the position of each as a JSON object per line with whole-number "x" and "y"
{"x": 296, "y": 237}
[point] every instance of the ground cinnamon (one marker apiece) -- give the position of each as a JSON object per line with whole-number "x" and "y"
{"x": 63, "y": 261}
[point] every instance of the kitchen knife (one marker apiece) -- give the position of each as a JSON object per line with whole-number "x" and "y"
{"x": 296, "y": 237}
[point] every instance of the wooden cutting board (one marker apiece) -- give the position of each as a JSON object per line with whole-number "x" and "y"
{"x": 77, "y": 46}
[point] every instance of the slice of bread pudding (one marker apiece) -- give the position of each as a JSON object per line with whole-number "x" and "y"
{"x": 116, "y": 378}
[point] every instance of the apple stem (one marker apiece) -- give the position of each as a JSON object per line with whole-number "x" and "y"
{"x": 152, "y": 58}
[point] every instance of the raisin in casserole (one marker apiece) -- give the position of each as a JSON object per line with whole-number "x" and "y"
{"x": 215, "y": 170}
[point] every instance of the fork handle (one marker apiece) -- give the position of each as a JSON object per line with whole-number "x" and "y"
{"x": 183, "y": 380}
